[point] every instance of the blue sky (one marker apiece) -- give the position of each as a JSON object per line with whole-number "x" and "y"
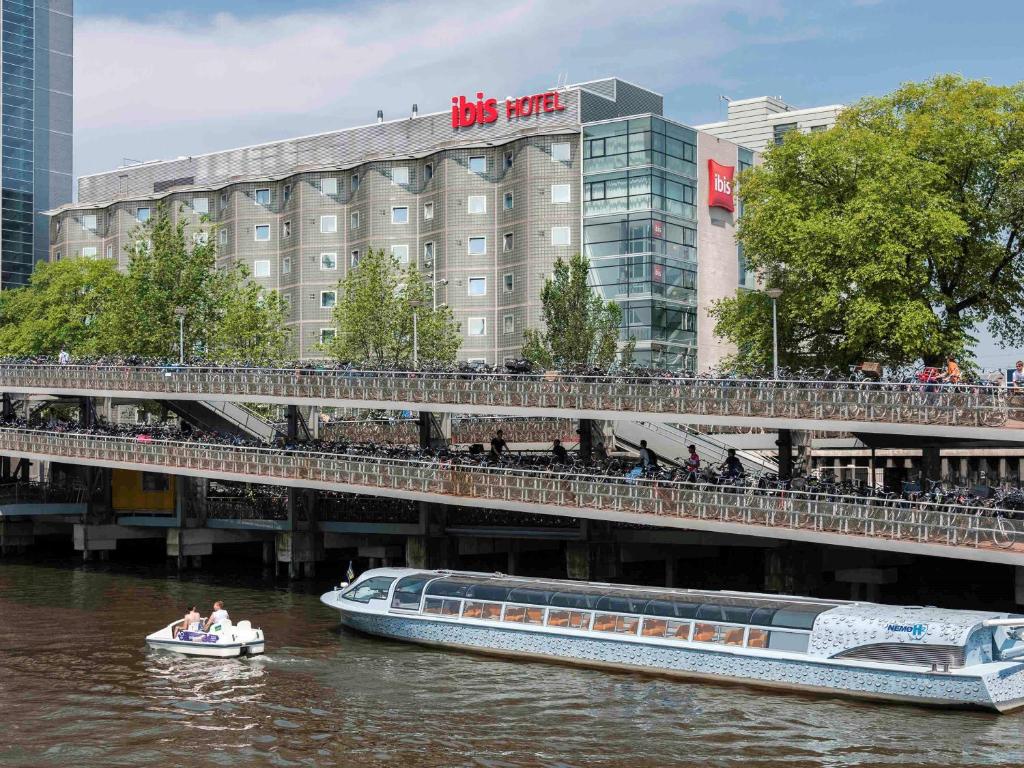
{"x": 161, "y": 79}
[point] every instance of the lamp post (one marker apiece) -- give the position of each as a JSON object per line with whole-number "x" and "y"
{"x": 415, "y": 304}
{"x": 180, "y": 313}
{"x": 773, "y": 294}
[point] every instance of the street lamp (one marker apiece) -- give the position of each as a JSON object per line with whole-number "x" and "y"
{"x": 415, "y": 304}
{"x": 773, "y": 294}
{"x": 180, "y": 313}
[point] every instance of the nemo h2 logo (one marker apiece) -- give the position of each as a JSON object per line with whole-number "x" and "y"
{"x": 916, "y": 631}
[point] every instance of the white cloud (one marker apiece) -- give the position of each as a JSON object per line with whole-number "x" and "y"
{"x": 160, "y": 88}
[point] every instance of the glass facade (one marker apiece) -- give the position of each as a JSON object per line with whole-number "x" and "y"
{"x": 747, "y": 277}
{"x": 17, "y": 162}
{"x": 640, "y": 232}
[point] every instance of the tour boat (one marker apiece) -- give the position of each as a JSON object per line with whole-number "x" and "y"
{"x": 911, "y": 654}
{"x": 222, "y": 639}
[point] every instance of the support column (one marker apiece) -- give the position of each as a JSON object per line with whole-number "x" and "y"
{"x": 785, "y": 446}
{"x": 1019, "y": 585}
{"x": 292, "y": 421}
{"x": 586, "y": 433}
{"x": 670, "y": 571}
{"x": 931, "y": 465}
{"x": 577, "y": 560}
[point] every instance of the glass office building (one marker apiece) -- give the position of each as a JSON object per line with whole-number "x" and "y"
{"x": 35, "y": 112}
{"x": 640, "y": 232}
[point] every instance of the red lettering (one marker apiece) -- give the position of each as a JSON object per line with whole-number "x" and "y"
{"x": 455, "y": 111}
{"x": 525, "y": 106}
{"x": 558, "y": 107}
{"x": 489, "y": 111}
{"x": 549, "y": 102}
{"x": 511, "y": 108}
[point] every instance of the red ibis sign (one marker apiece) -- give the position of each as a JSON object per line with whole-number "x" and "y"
{"x": 720, "y": 185}
{"x": 483, "y": 111}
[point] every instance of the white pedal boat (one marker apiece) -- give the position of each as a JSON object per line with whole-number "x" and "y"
{"x": 222, "y": 639}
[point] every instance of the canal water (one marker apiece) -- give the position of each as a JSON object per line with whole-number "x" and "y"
{"x": 78, "y": 687}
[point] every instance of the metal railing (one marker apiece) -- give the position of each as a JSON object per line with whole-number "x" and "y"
{"x": 560, "y": 493}
{"x": 934, "y": 404}
{"x": 34, "y": 492}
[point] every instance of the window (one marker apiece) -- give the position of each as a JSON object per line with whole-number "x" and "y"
{"x": 287, "y": 192}
{"x": 89, "y": 251}
{"x": 559, "y": 193}
{"x": 261, "y": 268}
{"x": 328, "y": 224}
{"x": 509, "y": 323}
{"x": 286, "y": 265}
{"x": 201, "y": 238}
{"x": 262, "y": 197}
{"x": 353, "y": 182}
{"x": 478, "y": 286}
{"x": 477, "y": 326}
{"x": 399, "y": 214}
{"x": 201, "y": 205}
{"x": 478, "y": 164}
{"x": 110, "y": 251}
{"x": 428, "y": 211}
{"x": 327, "y": 335}
{"x": 328, "y": 261}
{"x": 509, "y": 282}
{"x": 223, "y": 200}
{"x": 507, "y": 242}
{"x": 89, "y": 222}
{"x": 329, "y": 186}
{"x": 428, "y": 171}
{"x": 56, "y": 255}
{"x": 568, "y": 619}
{"x": 286, "y": 229}
{"x": 354, "y": 260}
{"x": 142, "y": 214}
{"x": 477, "y": 246}
{"x": 626, "y": 625}
{"x": 401, "y": 253}
{"x": 400, "y": 175}
{"x": 328, "y": 299}
{"x": 510, "y": 159}
{"x": 262, "y": 232}
{"x": 780, "y": 130}
{"x": 477, "y": 204}
{"x": 428, "y": 254}
{"x": 509, "y": 201}
{"x": 353, "y": 220}
{"x": 482, "y": 611}
{"x": 441, "y": 607}
{"x": 560, "y": 236}
{"x": 376, "y": 588}
{"x": 222, "y": 236}
{"x": 286, "y": 299}
{"x": 560, "y": 153}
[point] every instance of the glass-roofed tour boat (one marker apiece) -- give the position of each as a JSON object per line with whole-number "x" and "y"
{"x": 912, "y": 654}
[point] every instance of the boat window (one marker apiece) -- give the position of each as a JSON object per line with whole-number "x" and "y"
{"x": 671, "y": 608}
{"x": 757, "y": 638}
{"x": 568, "y": 619}
{"x": 795, "y": 619}
{"x": 717, "y": 633}
{"x": 408, "y": 591}
{"x": 485, "y": 611}
{"x": 440, "y": 607}
{"x": 677, "y": 630}
{"x": 534, "y": 616}
{"x": 575, "y": 600}
{"x": 625, "y": 625}
{"x": 762, "y": 616}
{"x": 449, "y": 588}
{"x": 516, "y": 613}
{"x": 495, "y": 592}
{"x": 795, "y": 642}
{"x": 622, "y": 604}
{"x": 371, "y": 589}
{"x": 531, "y": 596}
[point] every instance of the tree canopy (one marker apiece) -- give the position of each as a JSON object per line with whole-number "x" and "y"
{"x": 580, "y": 328}
{"x": 373, "y": 316}
{"x": 89, "y": 308}
{"x": 891, "y": 235}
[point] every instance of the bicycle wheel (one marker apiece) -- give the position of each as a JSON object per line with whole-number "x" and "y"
{"x": 1004, "y": 535}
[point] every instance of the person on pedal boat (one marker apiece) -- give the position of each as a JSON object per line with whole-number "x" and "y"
{"x": 216, "y": 616}
{"x": 191, "y": 621}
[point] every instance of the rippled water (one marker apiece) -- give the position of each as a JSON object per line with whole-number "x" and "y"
{"x": 78, "y": 687}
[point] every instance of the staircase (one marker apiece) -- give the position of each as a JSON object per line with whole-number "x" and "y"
{"x": 230, "y": 418}
{"x": 670, "y": 443}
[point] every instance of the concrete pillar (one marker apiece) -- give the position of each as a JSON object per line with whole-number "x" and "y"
{"x": 416, "y": 551}
{"x": 268, "y": 553}
{"x": 1019, "y": 585}
{"x": 965, "y": 470}
{"x": 577, "y": 560}
{"x": 670, "y": 571}
{"x": 785, "y": 446}
{"x": 586, "y": 433}
{"x": 425, "y": 430}
{"x": 513, "y": 559}
{"x": 292, "y": 422}
{"x": 931, "y": 465}
{"x": 1003, "y": 467}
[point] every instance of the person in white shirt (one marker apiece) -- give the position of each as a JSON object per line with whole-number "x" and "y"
{"x": 1017, "y": 377}
{"x": 217, "y": 615}
{"x": 63, "y": 358}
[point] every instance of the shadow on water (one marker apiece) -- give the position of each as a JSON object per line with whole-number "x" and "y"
{"x": 79, "y": 687}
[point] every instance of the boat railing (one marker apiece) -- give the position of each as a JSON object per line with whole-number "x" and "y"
{"x": 547, "y": 491}
{"x": 902, "y": 403}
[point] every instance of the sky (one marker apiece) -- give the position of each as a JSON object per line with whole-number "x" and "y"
{"x": 162, "y": 79}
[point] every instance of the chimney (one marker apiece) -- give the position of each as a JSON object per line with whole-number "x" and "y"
{"x": 415, "y": 111}
{"x": 380, "y": 115}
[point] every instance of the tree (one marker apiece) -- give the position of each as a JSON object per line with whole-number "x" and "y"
{"x": 59, "y": 308}
{"x": 892, "y": 235}
{"x": 373, "y": 317}
{"x": 580, "y": 328}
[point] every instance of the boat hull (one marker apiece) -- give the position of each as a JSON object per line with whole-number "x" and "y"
{"x": 1003, "y": 691}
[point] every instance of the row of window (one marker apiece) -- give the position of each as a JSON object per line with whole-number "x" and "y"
{"x": 475, "y": 326}
{"x": 592, "y": 621}
{"x": 476, "y": 245}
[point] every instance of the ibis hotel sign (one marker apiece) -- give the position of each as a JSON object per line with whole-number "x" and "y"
{"x": 483, "y": 111}
{"x": 720, "y": 184}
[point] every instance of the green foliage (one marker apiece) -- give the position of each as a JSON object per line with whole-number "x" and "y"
{"x": 89, "y": 308}
{"x": 892, "y": 235}
{"x": 373, "y": 318}
{"x": 579, "y": 327}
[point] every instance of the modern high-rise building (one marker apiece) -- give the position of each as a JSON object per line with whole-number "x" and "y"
{"x": 760, "y": 122}
{"x": 483, "y": 197}
{"x": 35, "y": 145}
